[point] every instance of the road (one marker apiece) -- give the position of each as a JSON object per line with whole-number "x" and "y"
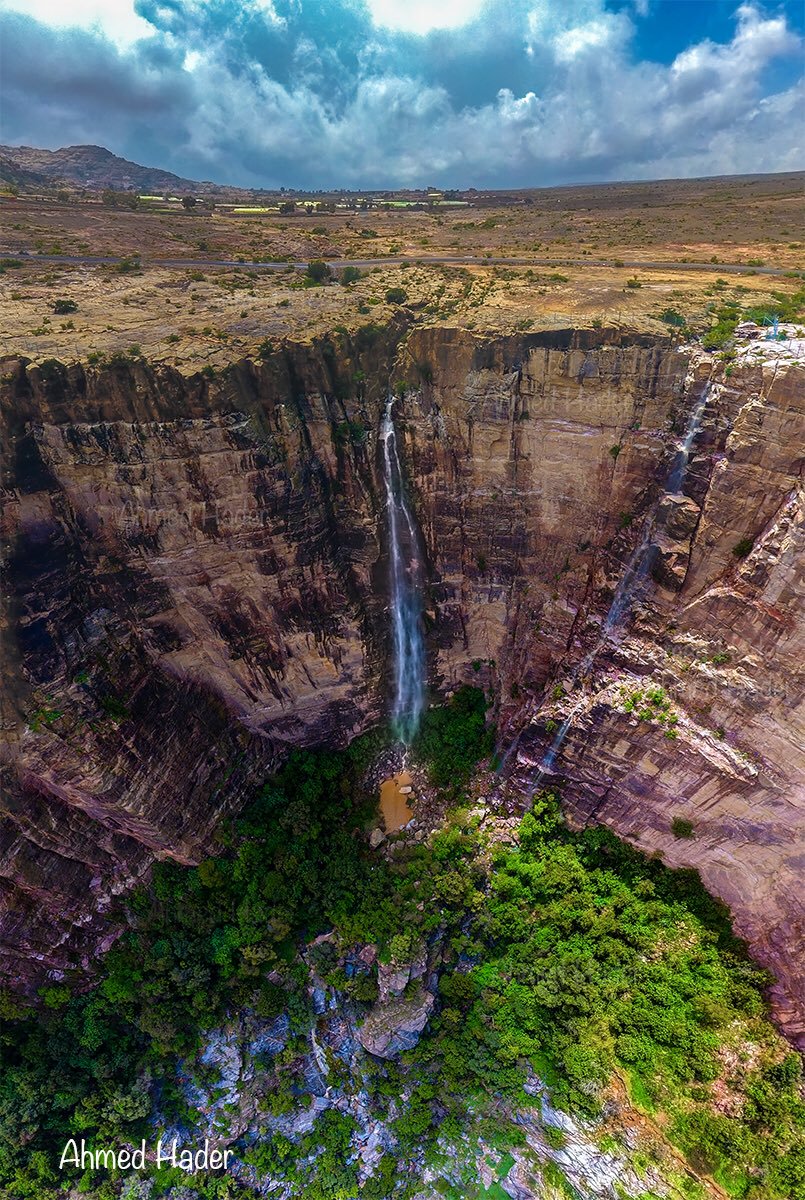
{"x": 365, "y": 264}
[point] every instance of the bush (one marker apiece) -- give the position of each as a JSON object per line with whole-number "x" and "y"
{"x": 128, "y": 265}
{"x": 453, "y": 738}
{"x": 61, "y": 307}
{"x": 720, "y": 335}
{"x": 350, "y": 275}
{"x": 396, "y": 295}
{"x": 682, "y": 828}
{"x": 555, "y": 1137}
{"x": 743, "y": 548}
{"x": 318, "y": 271}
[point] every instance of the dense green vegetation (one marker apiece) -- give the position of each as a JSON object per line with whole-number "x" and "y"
{"x": 591, "y": 960}
{"x": 785, "y": 306}
{"x": 567, "y": 954}
{"x": 452, "y": 738}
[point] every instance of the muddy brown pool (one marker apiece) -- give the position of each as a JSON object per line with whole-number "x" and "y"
{"x": 395, "y": 794}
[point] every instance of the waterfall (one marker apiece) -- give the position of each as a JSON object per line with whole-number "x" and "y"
{"x": 677, "y": 473}
{"x": 637, "y": 569}
{"x": 405, "y": 591}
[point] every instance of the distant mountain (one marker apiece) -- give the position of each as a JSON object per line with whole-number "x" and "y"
{"x": 12, "y": 173}
{"x": 92, "y": 167}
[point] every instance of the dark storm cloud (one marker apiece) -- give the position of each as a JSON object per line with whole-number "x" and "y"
{"x": 77, "y": 81}
{"x": 314, "y": 94}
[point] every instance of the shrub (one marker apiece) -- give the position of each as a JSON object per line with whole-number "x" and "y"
{"x": 128, "y": 265}
{"x": 682, "y": 828}
{"x": 396, "y": 295}
{"x": 318, "y": 271}
{"x": 743, "y": 548}
{"x": 554, "y": 1136}
{"x": 720, "y": 335}
{"x": 453, "y": 738}
{"x": 61, "y": 307}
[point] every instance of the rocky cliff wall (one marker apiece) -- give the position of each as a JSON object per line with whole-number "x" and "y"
{"x": 189, "y": 591}
{"x": 536, "y": 467}
{"x": 196, "y": 581}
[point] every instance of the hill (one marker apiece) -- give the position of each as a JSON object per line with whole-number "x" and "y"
{"x": 92, "y": 167}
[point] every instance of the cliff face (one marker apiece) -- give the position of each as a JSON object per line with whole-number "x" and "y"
{"x": 197, "y": 581}
{"x": 190, "y": 591}
{"x": 535, "y": 469}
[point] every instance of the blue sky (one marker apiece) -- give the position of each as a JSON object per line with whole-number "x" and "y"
{"x": 378, "y": 93}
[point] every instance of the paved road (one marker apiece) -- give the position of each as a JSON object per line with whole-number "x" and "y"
{"x": 431, "y": 260}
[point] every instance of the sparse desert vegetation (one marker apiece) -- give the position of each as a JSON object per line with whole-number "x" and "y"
{"x": 203, "y": 313}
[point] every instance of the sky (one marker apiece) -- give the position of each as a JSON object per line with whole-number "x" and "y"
{"x": 411, "y": 93}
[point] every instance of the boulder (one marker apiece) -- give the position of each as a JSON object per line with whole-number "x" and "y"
{"x": 678, "y": 516}
{"x": 395, "y": 1026}
{"x": 392, "y": 979}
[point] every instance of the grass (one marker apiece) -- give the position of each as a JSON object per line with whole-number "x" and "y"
{"x": 639, "y": 1094}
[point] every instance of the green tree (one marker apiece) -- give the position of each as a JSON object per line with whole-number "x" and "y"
{"x": 318, "y": 271}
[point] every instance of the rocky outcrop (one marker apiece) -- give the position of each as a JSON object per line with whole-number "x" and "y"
{"x": 395, "y": 1026}
{"x": 196, "y": 582}
{"x": 228, "y": 1083}
{"x": 403, "y": 1008}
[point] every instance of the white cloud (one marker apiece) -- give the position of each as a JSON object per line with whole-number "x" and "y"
{"x": 355, "y": 106}
{"x": 421, "y": 16}
{"x": 114, "y": 18}
{"x": 607, "y": 33}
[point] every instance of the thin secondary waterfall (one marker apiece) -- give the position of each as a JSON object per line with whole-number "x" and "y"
{"x": 637, "y": 569}
{"x": 644, "y": 554}
{"x": 405, "y": 591}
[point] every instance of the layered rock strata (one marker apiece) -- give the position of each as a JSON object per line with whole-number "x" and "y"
{"x": 197, "y": 581}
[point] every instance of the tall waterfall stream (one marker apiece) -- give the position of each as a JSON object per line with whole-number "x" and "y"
{"x": 405, "y": 591}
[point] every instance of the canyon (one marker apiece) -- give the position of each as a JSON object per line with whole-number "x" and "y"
{"x": 198, "y": 581}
